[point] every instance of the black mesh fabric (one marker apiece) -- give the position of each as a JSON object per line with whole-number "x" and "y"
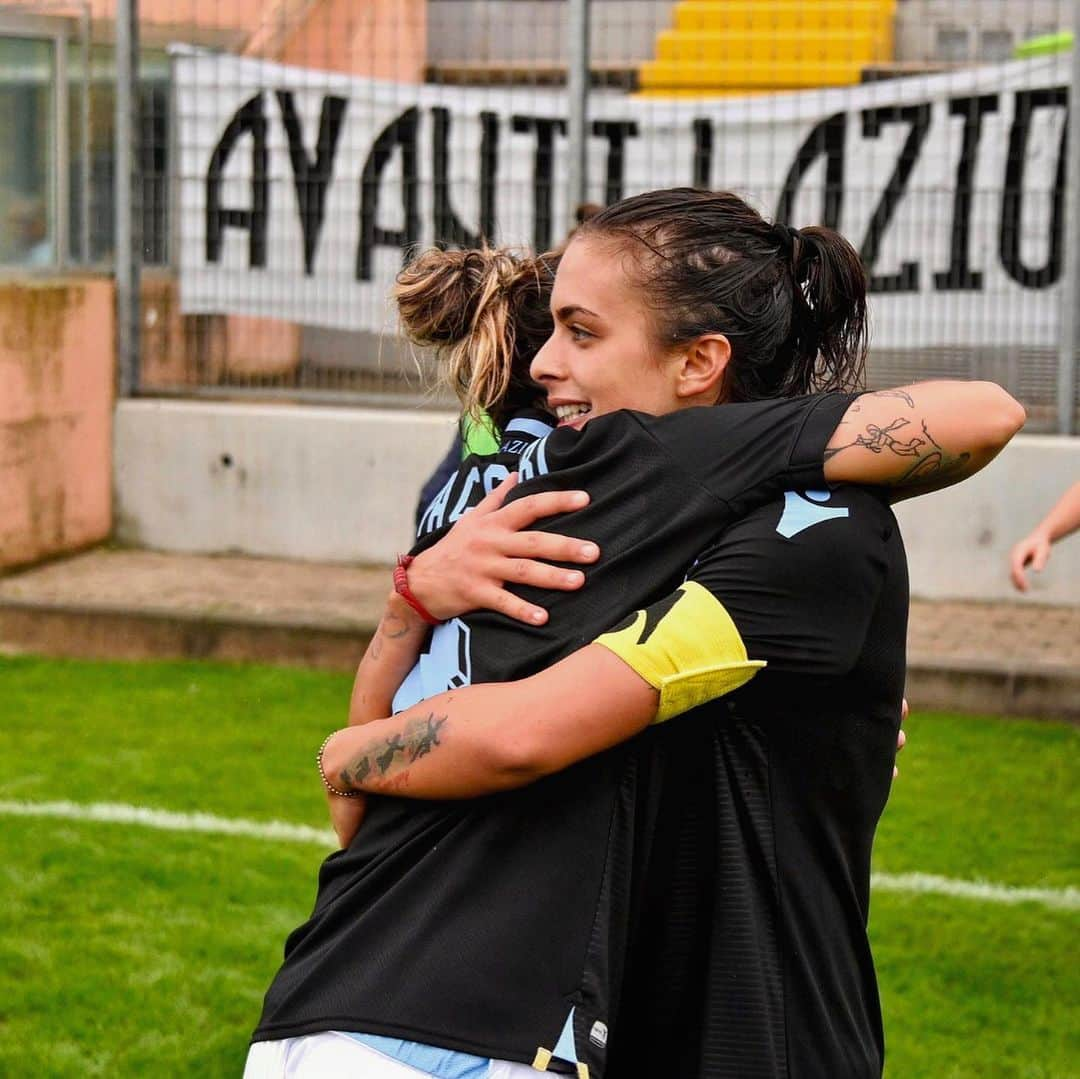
{"x": 800, "y": 764}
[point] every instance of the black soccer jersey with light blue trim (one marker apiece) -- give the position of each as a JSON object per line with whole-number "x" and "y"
{"x": 749, "y": 957}
{"x": 498, "y": 926}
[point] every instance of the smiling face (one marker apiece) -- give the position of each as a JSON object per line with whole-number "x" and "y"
{"x": 603, "y": 354}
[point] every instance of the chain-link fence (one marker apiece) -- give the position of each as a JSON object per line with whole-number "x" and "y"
{"x": 289, "y": 153}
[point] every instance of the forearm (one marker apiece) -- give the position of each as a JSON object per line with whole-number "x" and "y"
{"x": 919, "y": 438}
{"x": 488, "y": 738}
{"x": 682, "y": 652}
{"x": 1064, "y": 518}
{"x": 389, "y": 657}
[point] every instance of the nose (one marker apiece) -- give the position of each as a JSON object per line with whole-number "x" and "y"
{"x": 545, "y": 366}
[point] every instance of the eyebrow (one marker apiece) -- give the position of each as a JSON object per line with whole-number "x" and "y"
{"x": 573, "y": 309}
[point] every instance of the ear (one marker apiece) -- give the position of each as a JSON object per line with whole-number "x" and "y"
{"x": 702, "y": 368}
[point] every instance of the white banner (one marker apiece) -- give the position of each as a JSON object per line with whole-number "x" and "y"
{"x": 301, "y": 190}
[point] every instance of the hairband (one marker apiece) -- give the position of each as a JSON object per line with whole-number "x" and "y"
{"x": 785, "y": 237}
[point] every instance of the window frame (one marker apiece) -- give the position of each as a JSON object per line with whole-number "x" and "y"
{"x": 59, "y": 31}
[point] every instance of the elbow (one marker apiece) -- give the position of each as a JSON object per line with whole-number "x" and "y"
{"x": 516, "y": 759}
{"x": 1004, "y": 416}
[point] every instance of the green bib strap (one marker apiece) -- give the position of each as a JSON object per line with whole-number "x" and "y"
{"x": 479, "y": 436}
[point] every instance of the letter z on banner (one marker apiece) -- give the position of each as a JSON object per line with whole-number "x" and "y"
{"x": 301, "y": 191}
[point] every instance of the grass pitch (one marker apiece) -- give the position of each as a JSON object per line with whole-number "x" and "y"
{"x": 132, "y": 952}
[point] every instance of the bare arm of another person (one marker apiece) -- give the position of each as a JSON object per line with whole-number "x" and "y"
{"x": 1034, "y": 549}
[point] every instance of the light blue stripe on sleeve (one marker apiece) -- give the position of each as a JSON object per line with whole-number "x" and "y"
{"x": 527, "y": 426}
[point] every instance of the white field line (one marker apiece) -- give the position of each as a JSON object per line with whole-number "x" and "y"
{"x": 981, "y": 890}
{"x": 166, "y": 820}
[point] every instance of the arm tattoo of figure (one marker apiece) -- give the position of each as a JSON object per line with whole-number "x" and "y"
{"x": 389, "y": 757}
{"x": 931, "y": 460}
{"x": 878, "y": 439}
{"x": 385, "y": 759}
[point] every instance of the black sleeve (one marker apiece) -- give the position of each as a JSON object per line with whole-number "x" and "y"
{"x": 801, "y": 578}
{"x": 743, "y": 453}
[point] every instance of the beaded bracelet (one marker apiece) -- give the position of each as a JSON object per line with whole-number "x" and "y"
{"x": 326, "y": 782}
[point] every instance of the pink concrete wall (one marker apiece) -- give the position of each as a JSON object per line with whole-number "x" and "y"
{"x": 383, "y": 38}
{"x": 386, "y": 39}
{"x": 191, "y": 350}
{"x": 56, "y": 394}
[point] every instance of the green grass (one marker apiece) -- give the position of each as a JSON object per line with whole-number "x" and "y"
{"x": 131, "y": 952}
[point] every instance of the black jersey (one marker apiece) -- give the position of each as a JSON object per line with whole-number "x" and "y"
{"x": 498, "y": 926}
{"x": 749, "y": 956}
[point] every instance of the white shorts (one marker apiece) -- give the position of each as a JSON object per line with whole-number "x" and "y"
{"x": 335, "y": 1056}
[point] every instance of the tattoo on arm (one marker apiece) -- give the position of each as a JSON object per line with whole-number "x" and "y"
{"x": 930, "y": 460}
{"x": 901, "y": 395}
{"x": 933, "y": 462}
{"x": 389, "y": 757}
{"x": 394, "y": 626}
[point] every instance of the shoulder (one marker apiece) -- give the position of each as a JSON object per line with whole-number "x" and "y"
{"x": 804, "y": 536}
{"x": 818, "y": 518}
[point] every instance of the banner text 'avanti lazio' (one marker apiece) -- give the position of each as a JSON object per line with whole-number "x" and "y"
{"x": 300, "y": 191}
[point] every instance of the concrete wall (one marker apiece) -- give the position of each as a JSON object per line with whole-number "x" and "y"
{"x": 56, "y": 390}
{"x": 323, "y": 484}
{"x": 953, "y": 32}
{"x": 341, "y": 484}
{"x": 958, "y": 540}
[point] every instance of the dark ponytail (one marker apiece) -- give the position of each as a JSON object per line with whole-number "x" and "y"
{"x": 829, "y": 316}
{"x": 792, "y": 302}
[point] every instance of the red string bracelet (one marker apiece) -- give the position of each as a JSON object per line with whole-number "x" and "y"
{"x": 401, "y": 587}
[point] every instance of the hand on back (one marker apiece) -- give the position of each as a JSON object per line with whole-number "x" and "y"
{"x": 491, "y": 546}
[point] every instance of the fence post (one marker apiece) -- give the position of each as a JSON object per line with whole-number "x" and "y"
{"x": 577, "y": 92}
{"x": 128, "y": 198}
{"x": 1069, "y": 340}
{"x": 84, "y": 135}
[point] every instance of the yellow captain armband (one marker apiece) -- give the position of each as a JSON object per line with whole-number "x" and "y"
{"x": 687, "y": 647}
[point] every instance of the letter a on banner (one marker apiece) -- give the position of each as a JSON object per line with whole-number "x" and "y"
{"x": 312, "y": 178}
{"x": 400, "y": 133}
{"x": 248, "y": 120}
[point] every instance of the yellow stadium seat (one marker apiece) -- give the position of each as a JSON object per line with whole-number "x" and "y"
{"x": 721, "y": 46}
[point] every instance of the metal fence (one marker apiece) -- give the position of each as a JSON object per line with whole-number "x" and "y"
{"x": 278, "y": 159}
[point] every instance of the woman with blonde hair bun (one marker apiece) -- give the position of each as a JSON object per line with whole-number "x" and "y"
{"x": 480, "y": 311}
{"x": 544, "y": 877}
{"x": 483, "y": 314}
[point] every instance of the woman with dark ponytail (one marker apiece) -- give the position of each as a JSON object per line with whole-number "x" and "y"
{"x": 586, "y": 922}
{"x": 791, "y": 301}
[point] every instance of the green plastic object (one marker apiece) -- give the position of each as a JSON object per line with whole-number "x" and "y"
{"x": 1046, "y": 45}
